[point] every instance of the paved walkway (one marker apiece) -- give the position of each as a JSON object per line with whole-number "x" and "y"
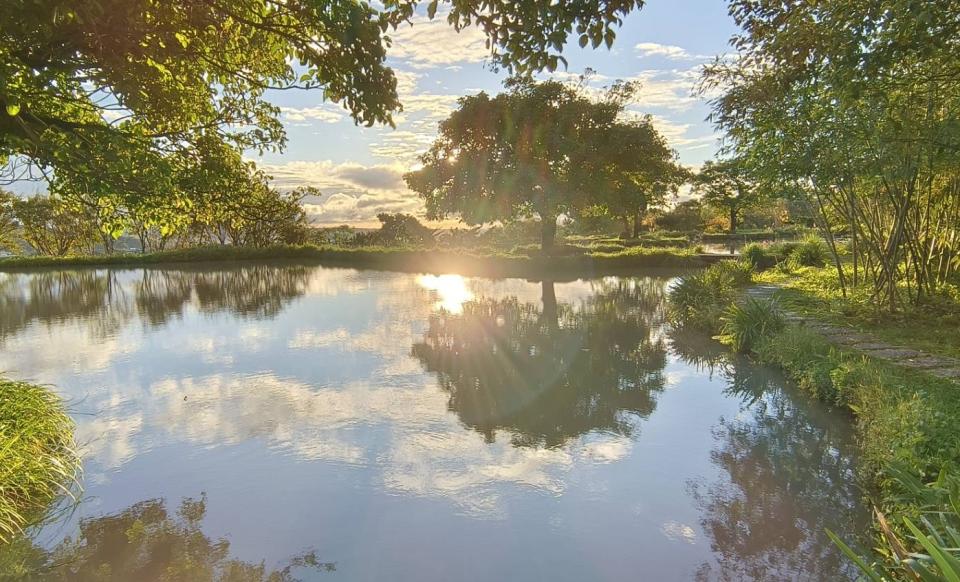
{"x": 940, "y": 366}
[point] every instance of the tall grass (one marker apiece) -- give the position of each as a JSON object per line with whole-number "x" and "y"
{"x": 38, "y": 461}
{"x": 699, "y": 300}
{"x": 745, "y": 324}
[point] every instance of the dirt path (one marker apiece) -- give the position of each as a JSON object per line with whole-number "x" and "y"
{"x": 847, "y": 337}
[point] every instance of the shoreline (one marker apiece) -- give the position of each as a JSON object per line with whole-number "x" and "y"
{"x": 390, "y": 259}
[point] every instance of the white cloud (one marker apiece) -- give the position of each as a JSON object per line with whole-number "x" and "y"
{"x": 667, "y": 51}
{"x": 326, "y": 113}
{"x": 432, "y": 43}
{"x": 349, "y": 192}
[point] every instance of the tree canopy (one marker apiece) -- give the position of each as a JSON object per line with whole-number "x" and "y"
{"x": 727, "y": 185}
{"x": 636, "y": 172}
{"x": 541, "y": 149}
{"x": 112, "y": 94}
{"x": 857, "y": 106}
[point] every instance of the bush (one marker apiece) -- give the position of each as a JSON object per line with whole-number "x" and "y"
{"x": 745, "y": 324}
{"x": 780, "y": 251}
{"x": 805, "y": 356}
{"x": 758, "y": 257}
{"x": 811, "y": 252}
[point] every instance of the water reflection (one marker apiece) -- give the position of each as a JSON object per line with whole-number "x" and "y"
{"x": 787, "y": 475}
{"x": 564, "y": 424}
{"x": 104, "y": 300}
{"x": 552, "y": 373}
{"x": 146, "y": 543}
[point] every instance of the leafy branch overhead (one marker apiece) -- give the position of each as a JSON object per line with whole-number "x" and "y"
{"x": 137, "y": 83}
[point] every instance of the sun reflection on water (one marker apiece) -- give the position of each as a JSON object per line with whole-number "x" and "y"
{"x": 451, "y": 290}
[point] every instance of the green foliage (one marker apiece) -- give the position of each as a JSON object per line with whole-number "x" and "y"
{"x": 118, "y": 116}
{"x": 728, "y": 186}
{"x": 38, "y": 463}
{"x": 745, "y": 324}
{"x": 399, "y": 230}
{"x": 9, "y": 228}
{"x": 685, "y": 217}
{"x": 757, "y": 255}
{"x": 535, "y": 150}
{"x": 811, "y": 252}
{"x": 928, "y": 547}
{"x": 853, "y": 108}
{"x": 699, "y": 300}
{"x": 806, "y": 357}
{"x": 52, "y": 227}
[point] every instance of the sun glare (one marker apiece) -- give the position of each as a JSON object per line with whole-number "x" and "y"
{"x": 451, "y": 290}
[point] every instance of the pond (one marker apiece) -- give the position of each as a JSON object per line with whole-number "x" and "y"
{"x": 300, "y": 422}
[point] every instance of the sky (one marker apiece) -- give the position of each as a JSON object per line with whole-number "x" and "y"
{"x": 359, "y": 170}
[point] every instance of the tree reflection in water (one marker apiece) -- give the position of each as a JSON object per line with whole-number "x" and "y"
{"x": 788, "y": 475}
{"x": 548, "y": 374}
{"x": 97, "y": 298}
{"x": 145, "y": 543}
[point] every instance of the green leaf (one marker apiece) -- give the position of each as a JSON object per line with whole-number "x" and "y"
{"x": 868, "y": 571}
{"x": 184, "y": 41}
{"x": 584, "y": 39}
{"x": 13, "y": 109}
{"x": 432, "y": 9}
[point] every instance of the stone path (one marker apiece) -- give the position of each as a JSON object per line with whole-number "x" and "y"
{"x": 940, "y": 366}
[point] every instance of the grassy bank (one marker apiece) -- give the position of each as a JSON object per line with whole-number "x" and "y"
{"x": 908, "y": 422}
{"x": 933, "y": 327}
{"x": 402, "y": 259}
{"x": 38, "y": 463}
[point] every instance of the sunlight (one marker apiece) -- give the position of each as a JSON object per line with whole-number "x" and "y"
{"x": 450, "y": 289}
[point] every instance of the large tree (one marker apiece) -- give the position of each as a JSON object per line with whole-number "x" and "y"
{"x": 528, "y": 151}
{"x": 103, "y": 92}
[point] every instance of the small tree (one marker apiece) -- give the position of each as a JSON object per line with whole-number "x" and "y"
{"x": 51, "y": 227}
{"x": 726, "y": 185}
{"x": 636, "y": 172}
{"x": 9, "y": 229}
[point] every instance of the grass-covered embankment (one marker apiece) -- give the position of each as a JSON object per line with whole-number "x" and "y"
{"x": 933, "y": 327}
{"x": 908, "y": 422}
{"x": 38, "y": 461}
{"x": 403, "y": 259}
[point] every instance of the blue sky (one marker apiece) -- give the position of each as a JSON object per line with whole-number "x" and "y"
{"x": 359, "y": 169}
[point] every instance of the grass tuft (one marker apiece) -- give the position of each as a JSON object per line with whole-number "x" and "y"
{"x": 38, "y": 461}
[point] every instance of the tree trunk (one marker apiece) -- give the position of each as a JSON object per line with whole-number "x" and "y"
{"x": 733, "y": 220}
{"x": 626, "y": 227}
{"x": 548, "y": 232}
{"x": 636, "y": 224}
{"x": 549, "y": 297}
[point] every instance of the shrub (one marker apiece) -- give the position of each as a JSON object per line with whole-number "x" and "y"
{"x": 757, "y": 256}
{"x": 745, "y": 324}
{"x": 811, "y": 252}
{"x": 780, "y": 251}
{"x": 739, "y": 273}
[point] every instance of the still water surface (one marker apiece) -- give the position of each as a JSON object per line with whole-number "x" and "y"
{"x": 276, "y": 421}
